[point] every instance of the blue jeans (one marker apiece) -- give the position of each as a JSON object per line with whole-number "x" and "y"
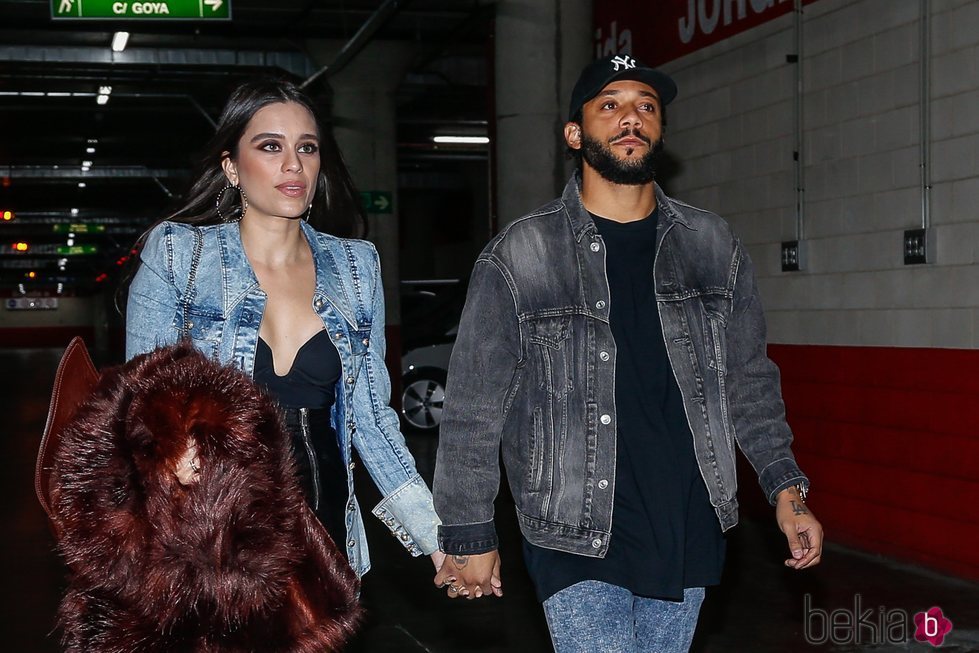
{"x": 595, "y": 616}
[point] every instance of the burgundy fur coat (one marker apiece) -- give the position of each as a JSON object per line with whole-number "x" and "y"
{"x": 231, "y": 562}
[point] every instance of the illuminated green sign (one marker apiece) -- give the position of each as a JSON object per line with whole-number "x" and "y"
{"x": 377, "y": 201}
{"x": 140, "y": 9}
{"x": 76, "y": 250}
{"x": 82, "y": 228}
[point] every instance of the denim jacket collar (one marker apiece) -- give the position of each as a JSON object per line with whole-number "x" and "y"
{"x": 240, "y": 277}
{"x": 582, "y": 223}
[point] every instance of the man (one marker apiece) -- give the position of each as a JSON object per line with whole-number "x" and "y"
{"x": 614, "y": 341}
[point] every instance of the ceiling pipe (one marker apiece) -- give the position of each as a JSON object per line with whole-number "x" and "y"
{"x": 358, "y": 41}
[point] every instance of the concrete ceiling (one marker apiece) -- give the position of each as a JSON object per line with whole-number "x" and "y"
{"x": 167, "y": 89}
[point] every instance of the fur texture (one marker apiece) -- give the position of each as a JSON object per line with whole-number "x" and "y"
{"x": 233, "y": 562}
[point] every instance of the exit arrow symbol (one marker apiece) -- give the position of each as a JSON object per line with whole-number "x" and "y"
{"x": 214, "y": 4}
{"x": 381, "y": 202}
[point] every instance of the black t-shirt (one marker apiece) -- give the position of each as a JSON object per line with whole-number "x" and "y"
{"x": 665, "y": 534}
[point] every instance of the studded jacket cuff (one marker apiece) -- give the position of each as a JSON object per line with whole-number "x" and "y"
{"x": 410, "y": 516}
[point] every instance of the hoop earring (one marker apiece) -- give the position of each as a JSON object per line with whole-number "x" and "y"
{"x": 309, "y": 211}
{"x": 244, "y": 202}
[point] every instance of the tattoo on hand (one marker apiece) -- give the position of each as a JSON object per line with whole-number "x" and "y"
{"x": 460, "y": 561}
{"x": 798, "y": 508}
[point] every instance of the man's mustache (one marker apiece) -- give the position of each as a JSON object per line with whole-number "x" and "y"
{"x": 634, "y": 133}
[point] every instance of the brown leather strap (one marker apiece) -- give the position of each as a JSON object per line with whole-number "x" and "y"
{"x": 73, "y": 383}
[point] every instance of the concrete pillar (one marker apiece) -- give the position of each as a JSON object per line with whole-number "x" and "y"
{"x": 541, "y": 46}
{"x": 364, "y": 127}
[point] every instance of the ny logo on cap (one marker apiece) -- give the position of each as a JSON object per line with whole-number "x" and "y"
{"x": 626, "y": 62}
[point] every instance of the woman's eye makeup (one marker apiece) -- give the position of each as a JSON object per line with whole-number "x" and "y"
{"x": 275, "y": 146}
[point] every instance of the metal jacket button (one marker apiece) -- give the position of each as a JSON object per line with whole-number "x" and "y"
{"x": 602, "y": 484}
{"x": 319, "y": 303}
{"x": 604, "y": 355}
{"x": 366, "y": 342}
{"x": 351, "y": 544}
{"x": 595, "y": 247}
{"x": 350, "y": 379}
{"x": 596, "y": 543}
{"x": 600, "y": 304}
{"x": 338, "y": 335}
{"x": 605, "y": 419}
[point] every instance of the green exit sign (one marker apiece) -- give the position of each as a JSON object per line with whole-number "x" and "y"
{"x": 377, "y": 201}
{"x": 142, "y": 9}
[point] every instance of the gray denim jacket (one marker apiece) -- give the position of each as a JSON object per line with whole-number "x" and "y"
{"x": 222, "y": 311}
{"x": 534, "y": 365}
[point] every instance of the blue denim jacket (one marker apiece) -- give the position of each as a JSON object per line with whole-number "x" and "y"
{"x": 534, "y": 367}
{"x": 222, "y": 313}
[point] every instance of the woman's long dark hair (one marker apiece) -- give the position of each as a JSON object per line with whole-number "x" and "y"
{"x": 336, "y": 207}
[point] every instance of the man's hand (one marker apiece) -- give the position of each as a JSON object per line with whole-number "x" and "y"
{"x": 471, "y": 576}
{"x": 803, "y": 532}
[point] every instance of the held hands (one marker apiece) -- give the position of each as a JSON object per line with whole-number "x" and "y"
{"x": 803, "y": 532}
{"x": 471, "y": 576}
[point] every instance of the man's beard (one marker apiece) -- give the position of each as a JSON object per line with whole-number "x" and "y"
{"x": 637, "y": 172}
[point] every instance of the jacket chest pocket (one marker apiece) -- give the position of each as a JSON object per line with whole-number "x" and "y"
{"x": 205, "y": 329}
{"x": 550, "y": 338}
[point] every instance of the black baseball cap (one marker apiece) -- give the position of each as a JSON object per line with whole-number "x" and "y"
{"x": 602, "y": 72}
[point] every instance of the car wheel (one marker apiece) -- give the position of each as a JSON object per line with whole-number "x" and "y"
{"x": 422, "y": 398}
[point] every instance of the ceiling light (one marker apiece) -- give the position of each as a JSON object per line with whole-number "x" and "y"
{"x": 119, "y": 41}
{"x": 105, "y": 90}
{"x": 74, "y": 211}
{"x": 101, "y": 99}
{"x": 89, "y": 150}
{"x": 82, "y": 184}
{"x": 458, "y": 140}
{"x": 86, "y": 164}
{"x": 93, "y": 141}
{"x": 58, "y": 94}
{"x": 86, "y": 168}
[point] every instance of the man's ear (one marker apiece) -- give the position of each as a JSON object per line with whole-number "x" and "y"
{"x": 229, "y": 167}
{"x": 572, "y": 135}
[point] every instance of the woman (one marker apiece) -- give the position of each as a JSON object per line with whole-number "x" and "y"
{"x": 242, "y": 273}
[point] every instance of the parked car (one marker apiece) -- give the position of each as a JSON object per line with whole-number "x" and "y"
{"x": 430, "y": 313}
{"x": 424, "y": 370}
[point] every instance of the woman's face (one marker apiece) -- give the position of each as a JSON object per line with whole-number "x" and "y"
{"x": 278, "y": 162}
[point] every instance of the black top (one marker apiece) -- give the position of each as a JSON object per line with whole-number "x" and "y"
{"x": 310, "y": 382}
{"x": 306, "y": 393}
{"x": 665, "y": 534}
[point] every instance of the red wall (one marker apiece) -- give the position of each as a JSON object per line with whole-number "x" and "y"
{"x": 657, "y": 31}
{"x": 890, "y": 439}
